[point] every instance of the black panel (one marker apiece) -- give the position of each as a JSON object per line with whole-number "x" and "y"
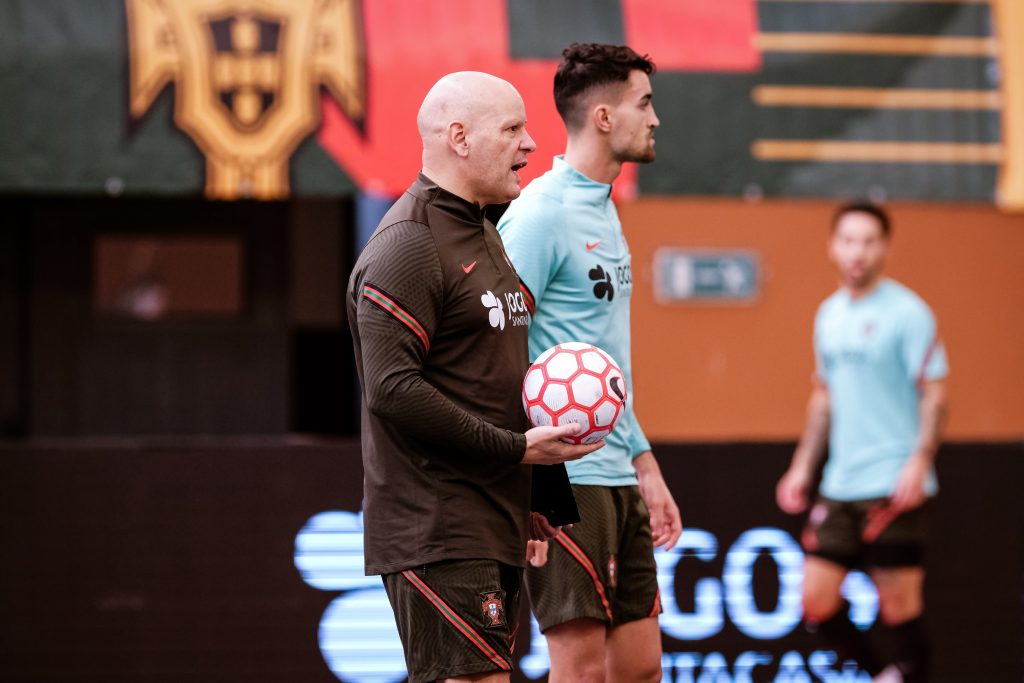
{"x": 878, "y": 71}
{"x": 690, "y": 159}
{"x": 94, "y": 374}
{"x": 161, "y": 561}
{"x": 896, "y": 125}
{"x": 923, "y": 19}
{"x": 14, "y": 345}
{"x": 707, "y": 128}
{"x": 323, "y": 378}
{"x": 541, "y": 29}
{"x": 165, "y": 564}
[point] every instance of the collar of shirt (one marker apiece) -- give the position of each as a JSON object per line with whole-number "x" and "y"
{"x": 430, "y": 192}
{"x": 879, "y": 291}
{"x": 585, "y": 189}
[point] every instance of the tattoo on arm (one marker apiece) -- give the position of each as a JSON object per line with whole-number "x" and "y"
{"x": 812, "y": 443}
{"x": 933, "y": 408}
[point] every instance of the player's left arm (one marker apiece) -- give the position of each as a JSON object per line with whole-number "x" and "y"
{"x": 932, "y": 405}
{"x": 666, "y": 523}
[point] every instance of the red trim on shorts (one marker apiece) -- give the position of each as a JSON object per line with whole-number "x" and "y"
{"x": 656, "y": 610}
{"x": 577, "y": 554}
{"x": 458, "y": 622}
{"x": 879, "y": 518}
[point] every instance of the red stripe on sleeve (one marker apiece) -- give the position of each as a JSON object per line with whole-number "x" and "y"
{"x": 388, "y": 304}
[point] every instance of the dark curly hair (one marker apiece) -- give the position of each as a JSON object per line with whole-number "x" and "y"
{"x": 586, "y": 66}
{"x": 874, "y": 210}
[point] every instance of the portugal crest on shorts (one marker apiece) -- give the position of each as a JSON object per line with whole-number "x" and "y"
{"x": 613, "y": 571}
{"x": 493, "y": 607}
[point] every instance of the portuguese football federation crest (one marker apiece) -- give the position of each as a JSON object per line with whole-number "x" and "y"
{"x": 247, "y": 77}
{"x": 246, "y": 57}
{"x": 493, "y": 607}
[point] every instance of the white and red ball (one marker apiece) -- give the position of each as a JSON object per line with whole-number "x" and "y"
{"x": 575, "y": 382}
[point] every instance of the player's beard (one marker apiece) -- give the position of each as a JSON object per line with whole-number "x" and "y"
{"x": 646, "y": 157}
{"x": 862, "y": 278}
{"x": 641, "y": 155}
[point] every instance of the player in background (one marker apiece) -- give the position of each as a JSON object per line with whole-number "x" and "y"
{"x": 596, "y": 594}
{"x": 446, "y": 484}
{"x": 879, "y": 401}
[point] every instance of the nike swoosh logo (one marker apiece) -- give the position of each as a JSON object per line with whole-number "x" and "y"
{"x": 593, "y": 245}
{"x": 468, "y": 269}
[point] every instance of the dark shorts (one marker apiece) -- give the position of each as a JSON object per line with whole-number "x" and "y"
{"x": 456, "y": 617}
{"x": 603, "y": 567}
{"x": 865, "y": 533}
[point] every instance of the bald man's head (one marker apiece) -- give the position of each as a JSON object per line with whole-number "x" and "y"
{"x": 473, "y": 127}
{"x": 458, "y": 96}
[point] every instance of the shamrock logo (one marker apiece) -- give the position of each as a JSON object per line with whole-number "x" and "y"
{"x": 604, "y": 284}
{"x": 496, "y": 315}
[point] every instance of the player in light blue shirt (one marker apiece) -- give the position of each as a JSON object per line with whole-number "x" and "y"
{"x": 872, "y": 353}
{"x": 879, "y": 401}
{"x": 596, "y": 598}
{"x": 567, "y": 245}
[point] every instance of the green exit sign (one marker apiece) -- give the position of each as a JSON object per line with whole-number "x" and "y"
{"x": 698, "y": 275}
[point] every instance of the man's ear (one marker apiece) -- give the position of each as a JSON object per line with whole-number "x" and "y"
{"x": 601, "y": 115}
{"x": 457, "y": 138}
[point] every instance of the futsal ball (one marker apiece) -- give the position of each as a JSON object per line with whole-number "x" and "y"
{"x": 575, "y": 382}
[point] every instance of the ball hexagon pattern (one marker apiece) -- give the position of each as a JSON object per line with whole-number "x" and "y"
{"x": 575, "y": 382}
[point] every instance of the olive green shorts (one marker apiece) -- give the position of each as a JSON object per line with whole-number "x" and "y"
{"x": 866, "y": 533}
{"x": 456, "y": 617}
{"x": 603, "y": 567}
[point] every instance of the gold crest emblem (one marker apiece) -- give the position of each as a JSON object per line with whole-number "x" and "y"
{"x": 247, "y": 75}
{"x": 493, "y": 607}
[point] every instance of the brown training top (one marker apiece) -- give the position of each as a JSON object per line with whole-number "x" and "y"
{"x": 439, "y": 323}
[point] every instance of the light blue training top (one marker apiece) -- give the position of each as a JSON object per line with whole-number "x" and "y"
{"x": 872, "y": 353}
{"x": 564, "y": 237}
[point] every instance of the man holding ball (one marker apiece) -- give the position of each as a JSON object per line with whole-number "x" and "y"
{"x": 596, "y": 595}
{"x": 446, "y": 505}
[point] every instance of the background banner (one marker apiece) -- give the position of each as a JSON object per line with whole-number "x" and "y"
{"x": 242, "y": 560}
{"x": 273, "y": 98}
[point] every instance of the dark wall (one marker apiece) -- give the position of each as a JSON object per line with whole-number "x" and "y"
{"x": 13, "y": 318}
{"x": 159, "y": 561}
{"x": 251, "y": 340}
{"x": 98, "y": 374}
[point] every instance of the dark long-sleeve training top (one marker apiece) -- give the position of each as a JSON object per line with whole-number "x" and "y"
{"x": 439, "y": 325}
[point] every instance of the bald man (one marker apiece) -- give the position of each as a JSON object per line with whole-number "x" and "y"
{"x": 439, "y": 324}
